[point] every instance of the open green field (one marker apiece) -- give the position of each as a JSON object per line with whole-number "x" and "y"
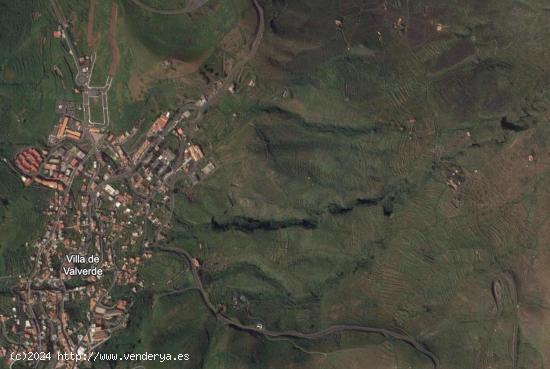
{"x": 333, "y": 203}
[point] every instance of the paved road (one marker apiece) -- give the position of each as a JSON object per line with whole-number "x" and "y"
{"x": 260, "y": 28}
{"x": 334, "y": 329}
{"x": 290, "y": 334}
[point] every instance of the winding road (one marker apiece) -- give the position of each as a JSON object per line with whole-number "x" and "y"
{"x": 215, "y": 311}
{"x": 334, "y": 329}
{"x": 290, "y": 334}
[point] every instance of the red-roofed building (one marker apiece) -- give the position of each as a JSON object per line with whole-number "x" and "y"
{"x": 159, "y": 124}
{"x": 28, "y": 161}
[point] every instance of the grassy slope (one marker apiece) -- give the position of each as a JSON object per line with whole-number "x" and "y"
{"x": 183, "y": 36}
{"x": 378, "y": 122}
{"x": 28, "y": 91}
{"x": 364, "y": 130}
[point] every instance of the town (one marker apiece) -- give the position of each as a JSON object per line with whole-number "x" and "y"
{"x": 100, "y": 211}
{"x": 112, "y": 198}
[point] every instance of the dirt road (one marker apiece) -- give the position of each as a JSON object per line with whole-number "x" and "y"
{"x": 90, "y": 38}
{"x": 192, "y": 5}
{"x": 115, "y": 52}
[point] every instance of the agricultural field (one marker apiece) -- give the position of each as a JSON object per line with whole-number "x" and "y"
{"x": 28, "y": 91}
{"x": 379, "y": 164}
{"x": 375, "y": 180}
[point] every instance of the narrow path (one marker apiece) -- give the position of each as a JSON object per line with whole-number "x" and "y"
{"x": 90, "y": 38}
{"x": 192, "y": 5}
{"x": 115, "y": 52}
{"x": 334, "y": 329}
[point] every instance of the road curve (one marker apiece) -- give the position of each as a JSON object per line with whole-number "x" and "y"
{"x": 191, "y": 7}
{"x": 334, "y": 329}
{"x": 259, "y": 35}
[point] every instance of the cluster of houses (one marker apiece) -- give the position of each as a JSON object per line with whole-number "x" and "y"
{"x": 49, "y": 169}
{"x": 100, "y": 217}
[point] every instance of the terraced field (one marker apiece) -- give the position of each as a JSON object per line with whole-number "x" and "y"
{"x": 372, "y": 180}
{"x": 381, "y": 163}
